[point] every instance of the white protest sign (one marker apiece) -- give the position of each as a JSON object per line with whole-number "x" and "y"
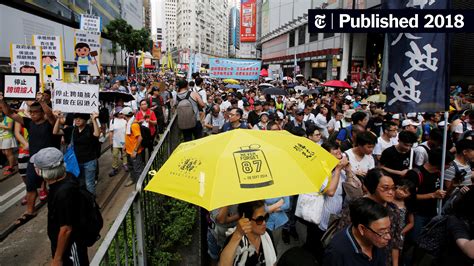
{"x": 76, "y": 98}
{"x": 87, "y": 52}
{"x": 52, "y": 57}
{"x": 91, "y": 23}
{"x": 20, "y": 86}
{"x": 26, "y": 59}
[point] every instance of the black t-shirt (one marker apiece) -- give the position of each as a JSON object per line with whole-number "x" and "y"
{"x": 253, "y": 118}
{"x": 429, "y": 184}
{"x": 395, "y": 160}
{"x": 453, "y": 255}
{"x": 85, "y": 143}
{"x": 40, "y": 135}
{"x": 62, "y": 206}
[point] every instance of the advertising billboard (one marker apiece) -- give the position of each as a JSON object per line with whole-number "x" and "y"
{"x": 248, "y": 21}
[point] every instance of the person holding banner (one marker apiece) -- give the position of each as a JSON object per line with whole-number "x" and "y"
{"x": 40, "y": 128}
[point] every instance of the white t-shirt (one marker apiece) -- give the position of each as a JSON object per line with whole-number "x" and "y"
{"x": 421, "y": 154}
{"x": 202, "y": 93}
{"x": 382, "y": 145}
{"x": 451, "y": 173}
{"x": 118, "y": 127}
{"x": 362, "y": 166}
{"x": 224, "y": 106}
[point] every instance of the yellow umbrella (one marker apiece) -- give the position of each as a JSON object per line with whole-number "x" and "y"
{"x": 243, "y": 165}
{"x": 377, "y": 98}
{"x": 231, "y": 81}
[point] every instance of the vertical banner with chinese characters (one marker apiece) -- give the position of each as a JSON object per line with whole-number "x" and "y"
{"x": 52, "y": 57}
{"x": 418, "y": 65}
{"x": 234, "y": 68}
{"x": 248, "y": 21}
{"x": 91, "y": 23}
{"x": 87, "y": 53}
{"x": 76, "y": 98}
{"x": 26, "y": 59}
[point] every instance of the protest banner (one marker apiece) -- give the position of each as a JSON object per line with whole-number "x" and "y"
{"x": 91, "y": 23}
{"x": 52, "y": 57}
{"x": 87, "y": 53}
{"x": 76, "y": 98}
{"x": 19, "y": 86}
{"x": 26, "y": 59}
{"x": 417, "y": 66}
{"x": 248, "y": 21}
{"x": 234, "y": 68}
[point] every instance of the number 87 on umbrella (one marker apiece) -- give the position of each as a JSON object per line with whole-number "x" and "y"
{"x": 252, "y": 167}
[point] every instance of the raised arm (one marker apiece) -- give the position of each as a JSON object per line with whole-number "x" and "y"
{"x": 8, "y": 111}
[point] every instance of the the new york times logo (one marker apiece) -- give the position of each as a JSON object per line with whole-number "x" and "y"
{"x": 395, "y": 20}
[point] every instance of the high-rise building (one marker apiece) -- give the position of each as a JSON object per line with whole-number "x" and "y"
{"x": 170, "y": 23}
{"x": 203, "y": 25}
{"x": 234, "y": 31}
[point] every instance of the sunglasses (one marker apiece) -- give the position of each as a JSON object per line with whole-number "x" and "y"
{"x": 260, "y": 219}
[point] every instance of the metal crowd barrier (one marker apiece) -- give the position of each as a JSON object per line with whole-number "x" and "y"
{"x": 129, "y": 237}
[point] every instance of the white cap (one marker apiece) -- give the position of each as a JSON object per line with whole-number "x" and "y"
{"x": 396, "y": 116}
{"x": 411, "y": 115}
{"x": 409, "y": 122}
{"x": 349, "y": 98}
{"x": 127, "y": 111}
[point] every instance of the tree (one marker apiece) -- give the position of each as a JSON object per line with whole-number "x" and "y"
{"x": 138, "y": 40}
{"x": 117, "y": 32}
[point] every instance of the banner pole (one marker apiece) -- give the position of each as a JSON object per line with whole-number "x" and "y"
{"x": 443, "y": 159}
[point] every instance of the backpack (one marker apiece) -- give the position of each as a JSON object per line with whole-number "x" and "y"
{"x": 186, "y": 114}
{"x": 147, "y": 140}
{"x": 89, "y": 221}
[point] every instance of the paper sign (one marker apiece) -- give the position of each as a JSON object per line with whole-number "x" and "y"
{"x": 234, "y": 68}
{"x": 52, "y": 57}
{"x": 20, "y": 86}
{"x": 91, "y": 23}
{"x": 87, "y": 53}
{"x": 76, "y": 98}
{"x": 25, "y": 59}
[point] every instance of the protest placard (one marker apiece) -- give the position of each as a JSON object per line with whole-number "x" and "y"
{"x": 52, "y": 57}
{"x": 87, "y": 53}
{"x": 76, "y": 98}
{"x": 90, "y": 23}
{"x": 234, "y": 68}
{"x": 19, "y": 86}
{"x": 26, "y": 59}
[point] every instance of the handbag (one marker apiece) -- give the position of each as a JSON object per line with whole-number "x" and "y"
{"x": 310, "y": 207}
{"x": 72, "y": 166}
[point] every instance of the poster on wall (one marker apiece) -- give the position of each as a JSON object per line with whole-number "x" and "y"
{"x": 52, "y": 57}
{"x": 87, "y": 53}
{"x": 248, "y": 21}
{"x": 26, "y": 59}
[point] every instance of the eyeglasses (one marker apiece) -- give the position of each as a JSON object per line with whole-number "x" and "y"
{"x": 384, "y": 235}
{"x": 386, "y": 188}
{"x": 231, "y": 114}
{"x": 260, "y": 219}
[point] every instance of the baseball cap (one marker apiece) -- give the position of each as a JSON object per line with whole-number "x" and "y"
{"x": 411, "y": 115}
{"x": 409, "y": 122}
{"x": 81, "y": 116}
{"x": 47, "y": 158}
{"x": 127, "y": 111}
{"x": 349, "y": 98}
{"x": 396, "y": 116}
{"x": 264, "y": 113}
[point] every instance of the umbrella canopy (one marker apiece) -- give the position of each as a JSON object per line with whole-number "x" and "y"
{"x": 113, "y": 96}
{"x": 301, "y": 88}
{"x": 119, "y": 78}
{"x": 244, "y": 165}
{"x": 264, "y": 72}
{"x": 231, "y": 81}
{"x": 337, "y": 84}
{"x": 377, "y": 98}
{"x": 265, "y": 85}
{"x": 311, "y": 91}
{"x": 234, "y": 86}
{"x": 275, "y": 91}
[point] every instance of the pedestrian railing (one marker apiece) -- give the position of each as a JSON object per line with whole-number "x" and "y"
{"x": 130, "y": 238}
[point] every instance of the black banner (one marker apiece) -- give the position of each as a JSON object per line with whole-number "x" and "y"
{"x": 418, "y": 67}
{"x": 391, "y": 20}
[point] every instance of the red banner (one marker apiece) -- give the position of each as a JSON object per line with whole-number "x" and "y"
{"x": 248, "y": 21}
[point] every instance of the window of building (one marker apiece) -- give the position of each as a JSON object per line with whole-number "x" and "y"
{"x": 292, "y": 39}
{"x": 313, "y": 37}
{"x": 328, "y": 35}
{"x": 301, "y": 35}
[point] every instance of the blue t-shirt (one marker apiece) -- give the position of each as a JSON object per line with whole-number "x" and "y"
{"x": 228, "y": 126}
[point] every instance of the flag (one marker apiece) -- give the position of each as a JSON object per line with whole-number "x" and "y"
{"x": 418, "y": 65}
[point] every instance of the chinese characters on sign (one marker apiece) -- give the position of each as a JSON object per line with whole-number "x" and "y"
{"x": 91, "y": 23}
{"x": 26, "y": 59}
{"x": 52, "y": 57}
{"x": 248, "y": 21}
{"x": 234, "y": 68}
{"x": 417, "y": 68}
{"x": 76, "y": 98}
{"x": 87, "y": 52}
{"x": 20, "y": 86}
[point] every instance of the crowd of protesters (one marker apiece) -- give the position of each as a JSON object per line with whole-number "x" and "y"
{"x": 377, "y": 204}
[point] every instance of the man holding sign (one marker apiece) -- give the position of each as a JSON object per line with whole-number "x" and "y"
{"x": 40, "y": 128}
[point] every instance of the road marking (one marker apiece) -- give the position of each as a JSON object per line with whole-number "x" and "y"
{"x": 12, "y": 192}
{"x": 12, "y": 202}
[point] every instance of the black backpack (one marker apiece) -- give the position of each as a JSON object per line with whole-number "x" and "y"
{"x": 147, "y": 140}
{"x": 89, "y": 221}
